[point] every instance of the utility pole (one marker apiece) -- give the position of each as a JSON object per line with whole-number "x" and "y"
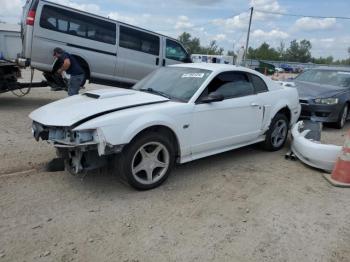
{"x": 248, "y": 34}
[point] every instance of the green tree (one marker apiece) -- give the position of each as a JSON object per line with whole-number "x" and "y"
{"x": 323, "y": 60}
{"x": 192, "y": 45}
{"x": 299, "y": 51}
{"x": 232, "y": 53}
{"x": 212, "y": 49}
{"x": 263, "y": 52}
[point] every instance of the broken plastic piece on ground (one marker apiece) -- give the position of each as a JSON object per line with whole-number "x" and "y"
{"x": 315, "y": 130}
{"x": 311, "y": 151}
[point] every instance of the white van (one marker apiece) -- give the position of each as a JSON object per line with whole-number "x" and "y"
{"x": 109, "y": 51}
{"x": 215, "y": 59}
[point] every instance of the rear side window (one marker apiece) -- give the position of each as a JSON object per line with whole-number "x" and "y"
{"x": 230, "y": 85}
{"x": 175, "y": 51}
{"x": 259, "y": 84}
{"x": 73, "y": 23}
{"x": 138, "y": 40}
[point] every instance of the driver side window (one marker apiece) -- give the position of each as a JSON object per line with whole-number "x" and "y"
{"x": 175, "y": 51}
{"x": 231, "y": 85}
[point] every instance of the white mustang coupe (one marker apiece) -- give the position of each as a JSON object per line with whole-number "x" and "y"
{"x": 176, "y": 114}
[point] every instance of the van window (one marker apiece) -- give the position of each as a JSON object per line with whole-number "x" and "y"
{"x": 73, "y": 23}
{"x": 175, "y": 51}
{"x": 140, "y": 41}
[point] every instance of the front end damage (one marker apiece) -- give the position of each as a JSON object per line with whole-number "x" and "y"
{"x": 82, "y": 150}
{"x": 310, "y": 150}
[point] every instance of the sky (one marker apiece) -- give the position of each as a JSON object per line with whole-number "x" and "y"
{"x": 225, "y": 21}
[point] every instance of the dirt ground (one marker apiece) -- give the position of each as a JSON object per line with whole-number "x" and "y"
{"x": 244, "y": 205}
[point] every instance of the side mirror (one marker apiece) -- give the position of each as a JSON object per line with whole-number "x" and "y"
{"x": 187, "y": 59}
{"x": 212, "y": 97}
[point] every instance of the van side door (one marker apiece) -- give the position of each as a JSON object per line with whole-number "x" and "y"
{"x": 174, "y": 53}
{"x": 138, "y": 53}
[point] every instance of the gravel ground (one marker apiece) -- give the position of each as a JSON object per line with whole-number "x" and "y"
{"x": 244, "y": 205}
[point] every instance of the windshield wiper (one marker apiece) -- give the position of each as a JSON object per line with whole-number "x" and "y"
{"x": 152, "y": 91}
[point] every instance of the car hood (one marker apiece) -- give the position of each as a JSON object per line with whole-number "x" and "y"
{"x": 80, "y": 108}
{"x": 309, "y": 90}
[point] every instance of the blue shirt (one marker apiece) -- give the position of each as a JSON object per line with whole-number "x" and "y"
{"x": 75, "y": 68}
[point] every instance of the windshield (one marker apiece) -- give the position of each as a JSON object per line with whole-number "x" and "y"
{"x": 179, "y": 83}
{"x": 326, "y": 77}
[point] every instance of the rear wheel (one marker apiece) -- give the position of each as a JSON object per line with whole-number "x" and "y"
{"x": 343, "y": 116}
{"x": 277, "y": 134}
{"x": 147, "y": 162}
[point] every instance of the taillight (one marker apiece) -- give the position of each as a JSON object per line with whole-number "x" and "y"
{"x": 30, "y": 17}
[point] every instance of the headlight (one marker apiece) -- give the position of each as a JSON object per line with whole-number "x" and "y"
{"x": 83, "y": 136}
{"x": 326, "y": 101}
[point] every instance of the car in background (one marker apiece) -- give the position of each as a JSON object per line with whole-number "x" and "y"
{"x": 176, "y": 114}
{"x": 324, "y": 94}
{"x": 279, "y": 70}
{"x": 287, "y": 68}
{"x": 109, "y": 51}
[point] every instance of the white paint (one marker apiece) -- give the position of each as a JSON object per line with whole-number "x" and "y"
{"x": 10, "y": 41}
{"x": 313, "y": 153}
{"x": 211, "y": 128}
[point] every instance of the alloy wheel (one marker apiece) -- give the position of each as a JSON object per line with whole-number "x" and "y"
{"x": 150, "y": 163}
{"x": 344, "y": 116}
{"x": 279, "y": 133}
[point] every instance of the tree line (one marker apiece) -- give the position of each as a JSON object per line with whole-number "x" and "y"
{"x": 297, "y": 51}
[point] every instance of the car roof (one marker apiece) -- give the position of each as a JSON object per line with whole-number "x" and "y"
{"x": 216, "y": 67}
{"x": 334, "y": 68}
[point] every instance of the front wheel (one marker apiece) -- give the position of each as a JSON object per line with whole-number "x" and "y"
{"x": 277, "y": 134}
{"x": 147, "y": 162}
{"x": 343, "y": 116}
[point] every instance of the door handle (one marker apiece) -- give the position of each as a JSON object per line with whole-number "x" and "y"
{"x": 157, "y": 61}
{"x": 254, "y": 105}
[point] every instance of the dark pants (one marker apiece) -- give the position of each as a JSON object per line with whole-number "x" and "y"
{"x": 74, "y": 84}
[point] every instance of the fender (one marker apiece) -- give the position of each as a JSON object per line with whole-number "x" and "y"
{"x": 119, "y": 128}
{"x": 283, "y": 103}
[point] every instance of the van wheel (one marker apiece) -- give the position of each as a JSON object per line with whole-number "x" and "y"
{"x": 277, "y": 134}
{"x": 147, "y": 162}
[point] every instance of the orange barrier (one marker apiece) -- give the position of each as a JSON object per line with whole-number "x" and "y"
{"x": 341, "y": 173}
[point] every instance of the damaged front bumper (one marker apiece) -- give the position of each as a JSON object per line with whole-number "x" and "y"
{"x": 313, "y": 152}
{"x": 82, "y": 150}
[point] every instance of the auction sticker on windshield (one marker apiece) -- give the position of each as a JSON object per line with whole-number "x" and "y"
{"x": 193, "y": 75}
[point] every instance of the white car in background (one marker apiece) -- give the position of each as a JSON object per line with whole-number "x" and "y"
{"x": 279, "y": 70}
{"x": 176, "y": 114}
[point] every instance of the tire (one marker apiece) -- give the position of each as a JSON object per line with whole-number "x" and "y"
{"x": 137, "y": 164}
{"x": 275, "y": 141}
{"x": 343, "y": 116}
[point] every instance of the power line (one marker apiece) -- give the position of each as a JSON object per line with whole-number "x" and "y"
{"x": 300, "y": 15}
